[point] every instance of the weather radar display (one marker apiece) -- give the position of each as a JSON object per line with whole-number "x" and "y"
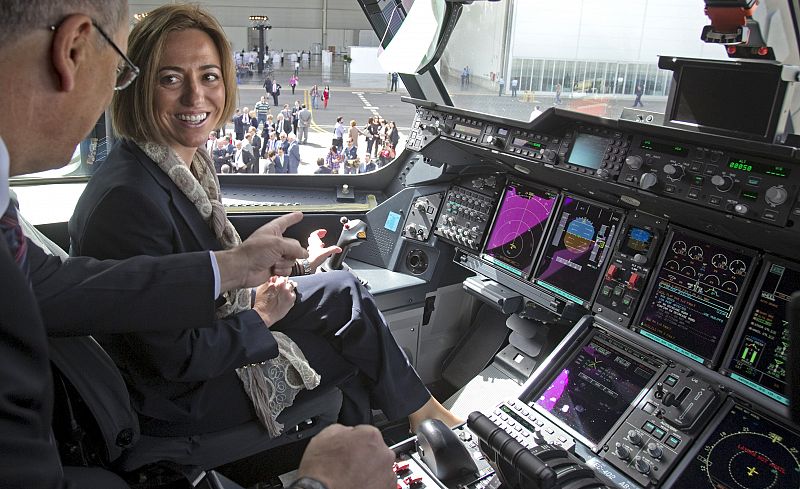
{"x": 521, "y": 222}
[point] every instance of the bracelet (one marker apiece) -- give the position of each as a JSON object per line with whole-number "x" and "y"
{"x": 306, "y": 267}
{"x": 307, "y": 483}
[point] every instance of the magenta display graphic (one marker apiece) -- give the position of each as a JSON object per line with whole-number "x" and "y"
{"x": 521, "y": 222}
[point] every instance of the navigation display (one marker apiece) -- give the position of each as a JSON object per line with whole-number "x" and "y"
{"x": 762, "y": 344}
{"x": 746, "y": 450}
{"x": 588, "y": 150}
{"x": 692, "y": 300}
{"x": 577, "y": 249}
{"x": 520, "y": 224}
{"x": 596, "y": 387}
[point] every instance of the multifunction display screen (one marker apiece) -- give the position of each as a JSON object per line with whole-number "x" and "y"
{"x": 745, "y": 450}
{"x": 761, "y": 355}
{"x": 691, "y": 304}
{"x": 588, "y": 150}
{"x": 516, "y": 237}
{"x": 596, "y": 387}
{"x": 637, "y": 242}
{"x": 577, "y": 249}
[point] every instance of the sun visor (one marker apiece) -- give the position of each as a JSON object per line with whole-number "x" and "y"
{"x": 414, "y": 44}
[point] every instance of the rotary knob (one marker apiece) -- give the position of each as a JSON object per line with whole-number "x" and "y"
{"x": 647, "y": 181}
{"x": 549, "y": 155}
{"x": 635, "y": 437}
{"x": 422, "y": 206}
{"x": 411, "y": 229}
{"x": 723, "y": 184}
{"x": 654, "y": 450}
{"x": 674, "y": 172}
{"x": 603, "y": 173}
{"x": 776, "y": 195}
{"x": 622, "y": 452}
{"x": 642, "y": 465}
{"x": 634, "y": 162}
{"x": 740, "y": 209}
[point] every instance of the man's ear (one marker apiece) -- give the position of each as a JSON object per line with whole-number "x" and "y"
{"x": 71, "y": 41}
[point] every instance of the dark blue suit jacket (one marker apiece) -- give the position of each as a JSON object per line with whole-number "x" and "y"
{"x": 177, "y": 379}
{"x": 293, "y": 158}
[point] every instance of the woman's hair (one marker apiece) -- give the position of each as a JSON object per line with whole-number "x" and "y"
{"x": 353, "y": 123}
{"x": 133, "y": 110}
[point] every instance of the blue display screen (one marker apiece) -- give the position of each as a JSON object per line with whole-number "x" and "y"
{"x": 392, "y": 221}
{"x": 588, "y": 150}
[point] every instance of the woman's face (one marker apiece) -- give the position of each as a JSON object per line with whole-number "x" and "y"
{"x": 190, "y": 93}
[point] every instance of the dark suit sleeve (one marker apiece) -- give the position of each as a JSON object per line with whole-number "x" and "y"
{"x": 27, "y": 458}
{"x": 207, "y": 347}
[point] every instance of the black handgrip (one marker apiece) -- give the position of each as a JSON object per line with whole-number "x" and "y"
{"x": 512, "y": 452}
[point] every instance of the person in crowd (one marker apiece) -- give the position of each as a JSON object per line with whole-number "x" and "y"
{"x": 212, "y": 142}
{"x": 293, "y": 82}
{"x": 558, "y": 93}
{"x": 269, "y": 164}
{"x": 271, "y": 144}
{"x": 338, "y": 133}
{"x": 514, "y": 87}
{"x": 295, "y": 116}
{"x": 267, "y": 85}
{"x": 222, "y": 155}
{"x": 242, "y": 158}
{"x": 238, "y": 124}
{"x": 268, "y": 127}
{"x": 322, "y": 169}
{"x": 350, "y": 157}
{"x": 257, "y": 143}
{"x": 262, "y": 110}
{"x": 369, "y": 133}
{"x": 353, "y": 132}
{"x": 71, "y": 72}
{"x": 253, "y": 120}
{"x": 394, "y": 134}
{"x": 280, "y": 161}
{"x": 333, "y": 159}
{"x": 387, "y": 154}
{"x": 314, "y": 94}
{"x": 216, "y": 376}
{"x": 276, "y": 92}
{"x": 326, "y": 95}
{"x": 283, "y": 140}
{"x": 303, "y": 123}
{"x": 393, "y": 87}
{"x": 245, "y": 121}
{"x": 638, "y": 92}
{"x": 501, "y": 83}
{"x": 293, "y": 155}
{"x": 287, "y": 119}
{"x": 368, "y": 165}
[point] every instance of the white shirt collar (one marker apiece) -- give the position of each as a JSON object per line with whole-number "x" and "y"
{"x": 4, "y": 189}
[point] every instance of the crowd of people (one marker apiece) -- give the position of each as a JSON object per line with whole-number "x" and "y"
{"x": 263, "y": 143}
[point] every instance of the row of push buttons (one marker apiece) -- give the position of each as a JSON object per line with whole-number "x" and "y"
{"x": 465, "y": 137}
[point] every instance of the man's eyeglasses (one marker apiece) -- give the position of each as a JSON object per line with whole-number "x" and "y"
{"x": 126, "y": 70}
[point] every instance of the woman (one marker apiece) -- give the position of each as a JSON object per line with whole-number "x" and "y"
{"x": 295, "y": 116}
{"x": 314, "y": 97}
{"x": 333, "y": 159}
{"x": 394, "y": 134}
{"x": 326, "y": 94}
{"x": 293, "y": 82}
{"x": 387, "y": 154}
{"x": 157, "y": 194}
{"x": 353, "y": 133}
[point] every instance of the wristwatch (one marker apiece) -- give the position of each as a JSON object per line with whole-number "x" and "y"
{"x": 307, "y": 483}
{"x": 306, "y": 267}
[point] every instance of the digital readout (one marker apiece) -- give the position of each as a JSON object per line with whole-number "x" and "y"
{"x": 475, "y": 131}
{"x": 525, "y": 143}
{"x": 748, "y": 166}
{"x": 672, "y": 149}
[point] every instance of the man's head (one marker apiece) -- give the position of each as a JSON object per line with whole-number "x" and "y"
{"x": 56, "y": 57}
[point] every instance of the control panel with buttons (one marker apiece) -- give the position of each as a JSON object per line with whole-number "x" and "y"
{"x": 732, "y": 183}
{"x": 630, "y": 266}
{"x": 467, "y": 210}
{"x": 422, "y": 216}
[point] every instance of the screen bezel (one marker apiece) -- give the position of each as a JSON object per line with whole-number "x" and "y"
{"x": 602, "y": 268}
{"x": 531, "y": 397}
{"x": 578, "y": 133}
{"x": 727, "y": 331}
{"x": 673, "y": 100}
{"x": 548, "y": 226}
{"x": 741, "y": 327}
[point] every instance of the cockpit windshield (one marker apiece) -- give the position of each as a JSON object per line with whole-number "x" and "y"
{"x": 515, "y": 59}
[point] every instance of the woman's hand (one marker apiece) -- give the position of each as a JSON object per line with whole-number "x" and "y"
{"x": 274, "y": 299}
{"x": 317, "y": 251}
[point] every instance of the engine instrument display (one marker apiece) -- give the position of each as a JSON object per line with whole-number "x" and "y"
{"x": 595, "y": 388}
{"x": 692, "y": 301}
{"x": 520, "y": 225}
{"x": 745, "y": 450}
{"x": 577, "y": 249}
{"x": 762, "y": 343}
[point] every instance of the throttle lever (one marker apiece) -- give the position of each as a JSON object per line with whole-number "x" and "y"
{"x": 353, "y": 234}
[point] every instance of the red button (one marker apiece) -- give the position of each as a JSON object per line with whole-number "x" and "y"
{"x": 611, "y": 272}
{"x": 632, "y": 280}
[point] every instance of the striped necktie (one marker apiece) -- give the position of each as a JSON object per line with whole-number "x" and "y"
{"x": 9, "y": 226}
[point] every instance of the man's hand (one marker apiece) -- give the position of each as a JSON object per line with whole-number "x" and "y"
{"x": 343, "y": 457}
{"x": 264, "y": 254}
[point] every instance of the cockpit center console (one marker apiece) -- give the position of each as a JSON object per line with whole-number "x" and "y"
{"x": 681, "y": 249}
